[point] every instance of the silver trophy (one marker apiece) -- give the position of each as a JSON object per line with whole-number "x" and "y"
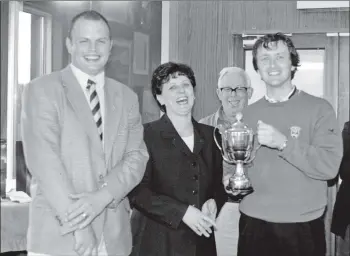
{"x": 237, "y": 148}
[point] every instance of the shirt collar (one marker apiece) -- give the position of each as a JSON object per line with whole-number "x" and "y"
{"x": 220, "y": 117}
{"x": 271, "y": 100}
{"x": 82, "y": 77}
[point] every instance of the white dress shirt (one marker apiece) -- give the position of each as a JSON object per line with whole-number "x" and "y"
{"x": 189, "y": 140}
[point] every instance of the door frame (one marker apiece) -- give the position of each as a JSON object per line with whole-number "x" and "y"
{"x": 14, "y": 8}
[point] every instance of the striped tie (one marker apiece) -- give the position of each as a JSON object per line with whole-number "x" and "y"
{"x": 95, "y": 106}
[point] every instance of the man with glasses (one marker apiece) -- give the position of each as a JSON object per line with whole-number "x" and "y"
{"x": 234, "y": 90}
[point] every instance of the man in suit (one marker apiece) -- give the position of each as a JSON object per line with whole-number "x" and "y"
{"x": 83, "y": 144}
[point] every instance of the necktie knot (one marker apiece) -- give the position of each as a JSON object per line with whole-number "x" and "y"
{"x": 90, "y": 84}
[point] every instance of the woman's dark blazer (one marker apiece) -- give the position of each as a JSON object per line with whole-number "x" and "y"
{"x": 175, "y": 178}
{"x": 341, "y": 213}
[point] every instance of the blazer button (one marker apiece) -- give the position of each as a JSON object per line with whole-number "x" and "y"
{"x": 195, "y": 177}
{"x": 194, "y": 164}
{"x": 194, "y": 192}
{"x": 101, "y": 176}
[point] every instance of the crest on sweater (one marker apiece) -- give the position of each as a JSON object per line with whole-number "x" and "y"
{"x": 295, "y": 131}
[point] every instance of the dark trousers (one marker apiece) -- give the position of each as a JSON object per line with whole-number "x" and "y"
{"x": 262, "y": 238}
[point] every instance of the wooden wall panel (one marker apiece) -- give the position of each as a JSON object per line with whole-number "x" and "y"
{"x": 283, "y": 16}
{"x": 201, "y": 34}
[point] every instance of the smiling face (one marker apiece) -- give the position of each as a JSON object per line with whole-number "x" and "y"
{"x": 89, "y": 45}
{"x": 233, "y": 102}
{"x": 274, "y": 64}
{"x": 177, "y": 95}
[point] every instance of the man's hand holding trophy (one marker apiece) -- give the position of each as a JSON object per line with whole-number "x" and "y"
{"x": 237, "y": 148}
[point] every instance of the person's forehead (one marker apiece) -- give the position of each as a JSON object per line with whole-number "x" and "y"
{"x": 232, "y": 79}
{"x": 178, "y": 78}
{"x": 274, "y": 47}
{"x": 85, "y": 26}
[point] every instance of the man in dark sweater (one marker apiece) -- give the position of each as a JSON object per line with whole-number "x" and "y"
{"x": 301, "y": 150}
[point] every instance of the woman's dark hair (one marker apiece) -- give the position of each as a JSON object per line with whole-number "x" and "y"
{"x": 164, "y": 72}
{"x": 269, "y": 38}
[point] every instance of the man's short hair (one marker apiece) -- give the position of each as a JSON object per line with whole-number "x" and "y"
{"x": 228, "y": 70}
{"x": 275, "y": 38}
{"x": 88, "y": 15}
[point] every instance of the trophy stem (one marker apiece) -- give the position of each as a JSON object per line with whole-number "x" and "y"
{"x": 239, "y": 182}
{"x": 240, "y": 169}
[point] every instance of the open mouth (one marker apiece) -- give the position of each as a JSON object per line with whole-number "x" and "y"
{"x": 274, "y": 73}
{"x": 92, "y": 58}
{"x": 234, "y": 103}
{"x": 182, "y": 100}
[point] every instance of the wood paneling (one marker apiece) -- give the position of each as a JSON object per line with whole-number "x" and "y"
{"x": 201, "y": 34}
{"x": 203, "y": 43}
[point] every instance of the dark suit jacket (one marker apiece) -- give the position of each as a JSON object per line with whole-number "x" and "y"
{"x": 341, "y": 213}
{"x": 174, "y": 179}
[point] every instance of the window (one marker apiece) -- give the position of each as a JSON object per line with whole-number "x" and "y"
{"x": 29, "y": 56}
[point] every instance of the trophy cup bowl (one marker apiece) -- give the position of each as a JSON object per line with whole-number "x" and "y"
{"x": 237, "y": 148}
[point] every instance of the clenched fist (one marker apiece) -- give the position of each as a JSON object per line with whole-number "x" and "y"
{"x": 269, "y": 136}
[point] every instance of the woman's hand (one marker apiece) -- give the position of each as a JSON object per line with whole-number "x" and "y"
{"x": 210, "y": 209}
{"x": 197, "y": 221}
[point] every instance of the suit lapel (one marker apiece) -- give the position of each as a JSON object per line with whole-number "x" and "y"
{"x": 198, "y": 138}
{"x": 113, "y": 113}
{"x": 80, "y": 106}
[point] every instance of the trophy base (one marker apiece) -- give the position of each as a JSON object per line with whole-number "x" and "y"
{"x": 236, "y": 195}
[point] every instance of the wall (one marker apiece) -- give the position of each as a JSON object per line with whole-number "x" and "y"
{"x": 125, "y": 18}
{"x": 201, "y": 34}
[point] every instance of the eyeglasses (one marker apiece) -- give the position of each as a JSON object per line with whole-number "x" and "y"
{"x": 237, "y": 90}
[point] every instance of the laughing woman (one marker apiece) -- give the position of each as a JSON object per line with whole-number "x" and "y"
{"x": 176, "y": 203}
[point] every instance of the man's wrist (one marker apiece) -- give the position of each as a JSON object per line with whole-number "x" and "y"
{"x": 283, "y": 145}
{"x": 105, "y": 196}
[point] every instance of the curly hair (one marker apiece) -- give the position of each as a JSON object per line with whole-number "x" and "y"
{"x": 269, "y": 38}
{"x": 164, "y": 72}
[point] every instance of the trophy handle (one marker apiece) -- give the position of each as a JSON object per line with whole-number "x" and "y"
{"x": 253, "y": 154}
{"x": 221, "y": 150}
{"x": 216, "y": 142}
